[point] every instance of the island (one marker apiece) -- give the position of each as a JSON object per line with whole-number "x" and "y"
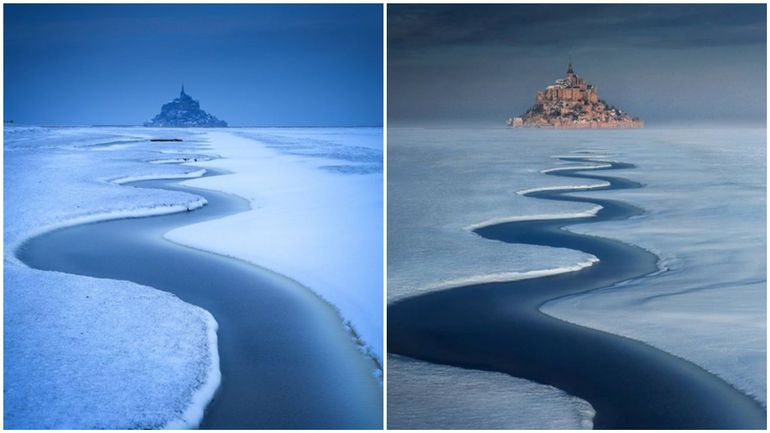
{"x": 573, "y": 103}
{"x": 185, "y": 112}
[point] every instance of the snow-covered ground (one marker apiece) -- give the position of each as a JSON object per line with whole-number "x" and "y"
{"x": 705, "y": 198}
{"x": 84, "y": 352}
{"x": 444, "y": 182}
{"x": 705, "y": 201}
{"x": 431, "y": 396}
{"x": 316, "y": 198}
{"x": 93, "y": 353}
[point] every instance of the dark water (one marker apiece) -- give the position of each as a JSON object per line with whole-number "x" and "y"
{"x": 286, "y": 360}
{"x": 498, "y": 327}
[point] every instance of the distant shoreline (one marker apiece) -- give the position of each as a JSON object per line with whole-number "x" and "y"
{"x": 188, "y": 127}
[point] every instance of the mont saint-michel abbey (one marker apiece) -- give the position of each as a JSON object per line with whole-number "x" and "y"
{"x": 571, "y": 88}
{"x": 571, "y": 102}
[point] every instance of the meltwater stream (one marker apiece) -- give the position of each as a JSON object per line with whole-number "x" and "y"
{"x": 499, "y": 327}
{"x": 285, "y": 357}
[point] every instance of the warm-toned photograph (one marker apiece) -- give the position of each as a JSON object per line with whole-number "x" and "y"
{"x": 576, "y": 216}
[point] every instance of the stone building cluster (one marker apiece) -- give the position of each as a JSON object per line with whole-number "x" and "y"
{"x": 571, "y": 102}
{"x": 185, "y": 112}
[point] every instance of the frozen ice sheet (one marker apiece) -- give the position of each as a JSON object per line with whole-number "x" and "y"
{"x": 320, "y": 227}
{"x": 90, "y": 353}
{"x": 430, "y": 396}
{"x": 705, "y": 203}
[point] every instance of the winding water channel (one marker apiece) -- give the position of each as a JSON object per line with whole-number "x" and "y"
{"x": 286, "y": 359}
{"x": 499, "y": 327}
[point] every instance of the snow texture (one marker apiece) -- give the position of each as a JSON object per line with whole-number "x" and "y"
{"x": 572, "y": 167}
{"x": 705, "y": 218}
{"x": 430, "y": 396}
{"x": 442, "y": 184}
{"x": 86, "y": 353}
{"x": 704, "y": 198}
{"x": 507, "y": 276}
{"x": 316, "y": 217}
{"x": 585, "y": 214}
{"x": 570, "y": 187}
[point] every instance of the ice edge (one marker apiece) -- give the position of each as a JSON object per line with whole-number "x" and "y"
{"x": 193, "y": 415}
{"x": 521, "y": 218}
{"x": 501, "y": 277}
{"x": 188, "y": 175}
{"x": 363, "y": 346}
{"x": 202, "y": 396}
{"x": 566, "y": 187}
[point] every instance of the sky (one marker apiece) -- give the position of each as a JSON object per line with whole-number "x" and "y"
{"x": 686, "y": 64}
{"x": 250, "y": 65}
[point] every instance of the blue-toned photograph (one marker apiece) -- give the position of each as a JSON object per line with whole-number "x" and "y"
{"x": 193, "y": 207}
{"x": 576, "y": 201}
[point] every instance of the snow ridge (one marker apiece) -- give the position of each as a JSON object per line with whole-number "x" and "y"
{"x": 161, "y": 209}
{"x": 193, "y": 415}
{"x": 141, "y": 212}
{"x": 501, "y": 277}
{"x": 566, "y": 187}
{"x": 490, "y": 222}
{"x": 188, "y": 175}
{"x": 575, "y": 167}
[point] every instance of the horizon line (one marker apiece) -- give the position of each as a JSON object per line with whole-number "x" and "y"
{"x": 127, "y": 125}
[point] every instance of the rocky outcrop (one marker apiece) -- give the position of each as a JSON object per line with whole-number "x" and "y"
{"x": 184, "y": 111}
{"x": 573, "y": 103}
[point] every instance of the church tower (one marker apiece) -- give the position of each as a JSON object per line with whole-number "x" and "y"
{"x": 570, "y": 72}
